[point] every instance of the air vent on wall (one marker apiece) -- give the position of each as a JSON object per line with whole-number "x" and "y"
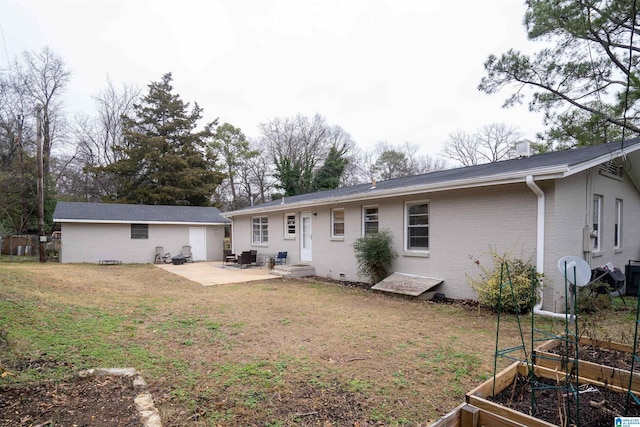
{"x": 612, "y": 168}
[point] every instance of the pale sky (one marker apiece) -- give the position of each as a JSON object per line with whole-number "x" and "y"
{"x": 383, "y": 70}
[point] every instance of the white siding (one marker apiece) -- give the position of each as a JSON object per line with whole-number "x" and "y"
{"x": 571, "y": 212}
{"x": 462, "y": 224}
{"x": 95, "y": 242}
{"x": 466, "y": 224}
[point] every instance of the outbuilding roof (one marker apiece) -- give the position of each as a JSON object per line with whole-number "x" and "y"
{"x": 553, "y": 165}
{"x": 66, "y": 212}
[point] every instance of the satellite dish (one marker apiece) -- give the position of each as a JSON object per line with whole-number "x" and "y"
{"x": 575, "y": 270}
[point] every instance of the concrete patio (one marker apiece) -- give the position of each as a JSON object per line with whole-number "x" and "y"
{"x": 216, "y": 273}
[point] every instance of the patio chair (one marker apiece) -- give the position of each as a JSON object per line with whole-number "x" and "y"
{"x": 281, "y": 259}
{"x": 161, "y": 256}
{"x": 244, "y": 259}
{"x": 230, "y": 258}
{"x": 254, "y": 257}
{"x": 186, "y": 253}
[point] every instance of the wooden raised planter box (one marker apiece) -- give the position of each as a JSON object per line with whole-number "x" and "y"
{"x": 467, "y": 415}
{"x": 594, "y": 371}
{"x": 478, "y": 396}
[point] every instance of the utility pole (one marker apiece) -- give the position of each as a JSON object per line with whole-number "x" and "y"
{"x": 23, "y": 192}
{"x": 40, "y": 187}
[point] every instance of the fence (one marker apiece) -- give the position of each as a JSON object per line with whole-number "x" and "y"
{"x": 25, "y": 247}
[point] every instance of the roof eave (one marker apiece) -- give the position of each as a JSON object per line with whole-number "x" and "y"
{"x": 374, "y": 194}
{"x": 600, "y": 160}
{"x": 103, "y": 221}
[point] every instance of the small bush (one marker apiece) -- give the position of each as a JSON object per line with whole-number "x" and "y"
{"x": 487, "y": 286}
{"x": 375, "y": 255}
{"x": 594, "y": 297}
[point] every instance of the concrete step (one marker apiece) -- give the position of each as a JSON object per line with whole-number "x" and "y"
{"x": 294, "y": 270}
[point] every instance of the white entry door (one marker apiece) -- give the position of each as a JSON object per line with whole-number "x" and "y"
{"x": 306, "y": 237}
{"x": 198, "y": 242}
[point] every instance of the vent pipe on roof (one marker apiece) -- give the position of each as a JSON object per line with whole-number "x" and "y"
{"x": 373, "y": 183}
{"x": 523, "y": 148}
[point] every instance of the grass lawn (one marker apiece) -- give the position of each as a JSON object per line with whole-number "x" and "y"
{"x": 272, "y": 353}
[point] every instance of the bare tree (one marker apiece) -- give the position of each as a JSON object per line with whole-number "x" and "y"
{"x": 387, "y": 161}
{"x": 490, "y": 144}
{"x": 36, "y": 78}
{"x": 231, "y": 146}
{"x": 298, "y": 146}
{"x": 462, "y": 148}
{"x": 97, "y": 138}
{"x": 353, "y": 173}
{"x": 257, "y": 174}
{"x": 40, "y": 78}
{"x": 420, "y": 164}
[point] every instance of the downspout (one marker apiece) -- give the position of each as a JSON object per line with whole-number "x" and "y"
{"x": 537, "y": 309}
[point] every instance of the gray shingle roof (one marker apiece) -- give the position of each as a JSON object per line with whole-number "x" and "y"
{"x": 113, "y": 212}
{"x": 565, "y": 160}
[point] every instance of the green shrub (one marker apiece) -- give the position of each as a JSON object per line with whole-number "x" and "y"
{"x": 487, "y": 286}
{"x": 375, "y": 255}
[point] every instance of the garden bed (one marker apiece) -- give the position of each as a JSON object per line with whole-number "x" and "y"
{"x": 604, "y": 361}
{"x": 509, "y": 396}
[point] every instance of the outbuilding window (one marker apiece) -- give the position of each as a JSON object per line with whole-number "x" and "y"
{"x": 139, "y": 231}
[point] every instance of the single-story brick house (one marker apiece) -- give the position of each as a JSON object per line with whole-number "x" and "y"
{"x": 582, "y": 202}
{"x": 92, "y": 232}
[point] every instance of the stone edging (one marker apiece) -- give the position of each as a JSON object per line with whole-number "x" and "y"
{"x": 144, "y": 402}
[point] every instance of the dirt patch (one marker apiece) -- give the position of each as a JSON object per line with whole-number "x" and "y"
{"x": 594, "y": 354}
{"x": 92, "y": 401}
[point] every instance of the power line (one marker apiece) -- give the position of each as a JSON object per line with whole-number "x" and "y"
{"x": 4, "y": 44}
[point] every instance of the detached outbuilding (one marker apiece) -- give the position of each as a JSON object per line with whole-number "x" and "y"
{"x": 93, "y": 232}
{"x": 583, "y": 202}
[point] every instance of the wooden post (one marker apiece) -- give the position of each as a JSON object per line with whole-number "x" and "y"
{"x": 469, "y": 415}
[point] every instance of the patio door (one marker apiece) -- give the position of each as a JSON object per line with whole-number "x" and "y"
{"x": 198, "y": 242}
{"x": 305, "y": 238}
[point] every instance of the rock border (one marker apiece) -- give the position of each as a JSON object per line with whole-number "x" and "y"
{"x": 149, "y": 414}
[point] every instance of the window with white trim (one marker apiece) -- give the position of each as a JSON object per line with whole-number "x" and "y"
{"x": 337, "y": 223}
{"x": 139, "y": 231}
{"x": 417, "y": 226}
{"x": 596, "y": 222}
{"x": 289, "y": 226}
{"x": 260, "y": 230}
{"x": 369, "y": 220}
{"x": 617, "y": 232}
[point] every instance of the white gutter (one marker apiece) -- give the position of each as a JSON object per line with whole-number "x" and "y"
{"x": 141, "y": 221}
{"x": 378, "y": 193}
{"x": 537, "y": 309}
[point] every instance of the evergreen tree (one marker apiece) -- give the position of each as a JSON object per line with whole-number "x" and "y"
{"x": 329, "y": 175}
{"x": 162, "y": 158}
{"x": 586, "y": 77}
